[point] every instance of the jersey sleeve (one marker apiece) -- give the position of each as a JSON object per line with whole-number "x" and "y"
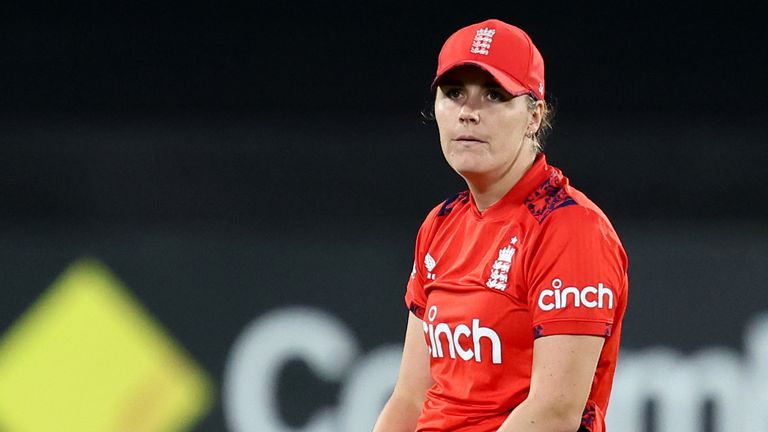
{"x": 577, "y": 275}
{"x": 415, "y": 297}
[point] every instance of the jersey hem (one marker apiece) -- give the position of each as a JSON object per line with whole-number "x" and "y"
{"x": 417, "y": 309}
{"x": 573, "y": 327}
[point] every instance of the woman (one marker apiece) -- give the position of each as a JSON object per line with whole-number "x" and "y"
{"x": 519, "y": 284}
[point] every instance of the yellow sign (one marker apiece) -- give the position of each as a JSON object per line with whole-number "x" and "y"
{"x": 87, "y": 357}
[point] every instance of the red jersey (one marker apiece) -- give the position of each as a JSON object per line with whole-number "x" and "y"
{"x": 543, "y": 260}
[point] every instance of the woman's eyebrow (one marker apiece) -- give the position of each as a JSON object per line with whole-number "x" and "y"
{"x": 491, "y": 84}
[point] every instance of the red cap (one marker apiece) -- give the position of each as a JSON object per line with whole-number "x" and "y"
{"x": 501, "y": 49}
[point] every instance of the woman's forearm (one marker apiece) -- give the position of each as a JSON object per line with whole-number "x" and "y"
{"x": 398, "y": 415}
{"x": 539, "y": 416}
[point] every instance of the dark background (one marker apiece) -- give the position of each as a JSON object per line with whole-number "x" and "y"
{"x": 673, "y": 97}
{"x": 225, "y": 159}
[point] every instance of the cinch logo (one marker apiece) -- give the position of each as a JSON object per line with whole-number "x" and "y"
{"x": 470, "y": 337}
{"x": 588, "y": 297}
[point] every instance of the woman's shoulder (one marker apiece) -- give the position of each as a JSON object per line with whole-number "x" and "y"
{"x": 445, "y": 209}
{"x": 583, "y": 219}
{"x": 556, "y": 201}
{"x": 447, "y": 206}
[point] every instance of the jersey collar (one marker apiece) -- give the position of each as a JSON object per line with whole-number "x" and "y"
{"x": 532, "y": 179}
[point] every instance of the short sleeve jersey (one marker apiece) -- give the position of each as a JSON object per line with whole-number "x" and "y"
{"x": 543, "y": 260}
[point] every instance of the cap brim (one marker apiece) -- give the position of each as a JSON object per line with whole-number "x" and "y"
{"x": 505, "y": 81}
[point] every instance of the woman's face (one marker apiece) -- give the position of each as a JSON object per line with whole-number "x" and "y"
{"x": 482, "y": 126}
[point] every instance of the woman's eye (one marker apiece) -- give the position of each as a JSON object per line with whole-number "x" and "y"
{"x": 453, "y": 93}
{"x": 496, "y": 96}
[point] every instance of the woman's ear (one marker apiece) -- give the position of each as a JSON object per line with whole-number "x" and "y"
{"x": 537, "y": 115}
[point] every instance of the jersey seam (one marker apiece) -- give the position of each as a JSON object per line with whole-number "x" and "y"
{"x": 573, "y": 320}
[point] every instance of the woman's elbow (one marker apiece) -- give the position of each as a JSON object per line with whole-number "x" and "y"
{"x": 566, "y": 423}
{"x": 563, "y": 415}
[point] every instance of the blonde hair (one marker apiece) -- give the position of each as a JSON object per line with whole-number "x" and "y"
{"x": 546, "y": 124}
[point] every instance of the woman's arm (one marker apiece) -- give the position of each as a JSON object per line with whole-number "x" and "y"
{"x": 404, "y": 406}
{"x": 561, "y": 379}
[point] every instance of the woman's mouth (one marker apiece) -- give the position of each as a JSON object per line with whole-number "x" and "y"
{"x": 468, "y": 139}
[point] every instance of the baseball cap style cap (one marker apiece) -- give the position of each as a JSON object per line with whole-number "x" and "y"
{"x": 501, "y": 49}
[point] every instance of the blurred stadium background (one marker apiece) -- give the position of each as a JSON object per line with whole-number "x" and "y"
{"x": 209, "y": 209}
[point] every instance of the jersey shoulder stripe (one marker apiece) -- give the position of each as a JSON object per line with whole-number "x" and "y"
{"x": 451, "y": 202}
{"x": 548, "y": 197}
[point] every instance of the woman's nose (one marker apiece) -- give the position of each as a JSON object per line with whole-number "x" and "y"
{"x": 468, "y": 114}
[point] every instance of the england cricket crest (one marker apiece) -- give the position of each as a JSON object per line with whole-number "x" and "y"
{"x": 500, "y": 269}
{"x": 482, "y": 42}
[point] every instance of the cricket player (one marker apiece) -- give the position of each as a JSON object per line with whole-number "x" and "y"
{"x": 519, "y": 284}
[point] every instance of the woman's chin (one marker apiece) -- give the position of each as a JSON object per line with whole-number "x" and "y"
{"x": 469, "y": 165}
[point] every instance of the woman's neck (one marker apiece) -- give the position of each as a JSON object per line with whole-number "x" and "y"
{"x": 487, "y": 190}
